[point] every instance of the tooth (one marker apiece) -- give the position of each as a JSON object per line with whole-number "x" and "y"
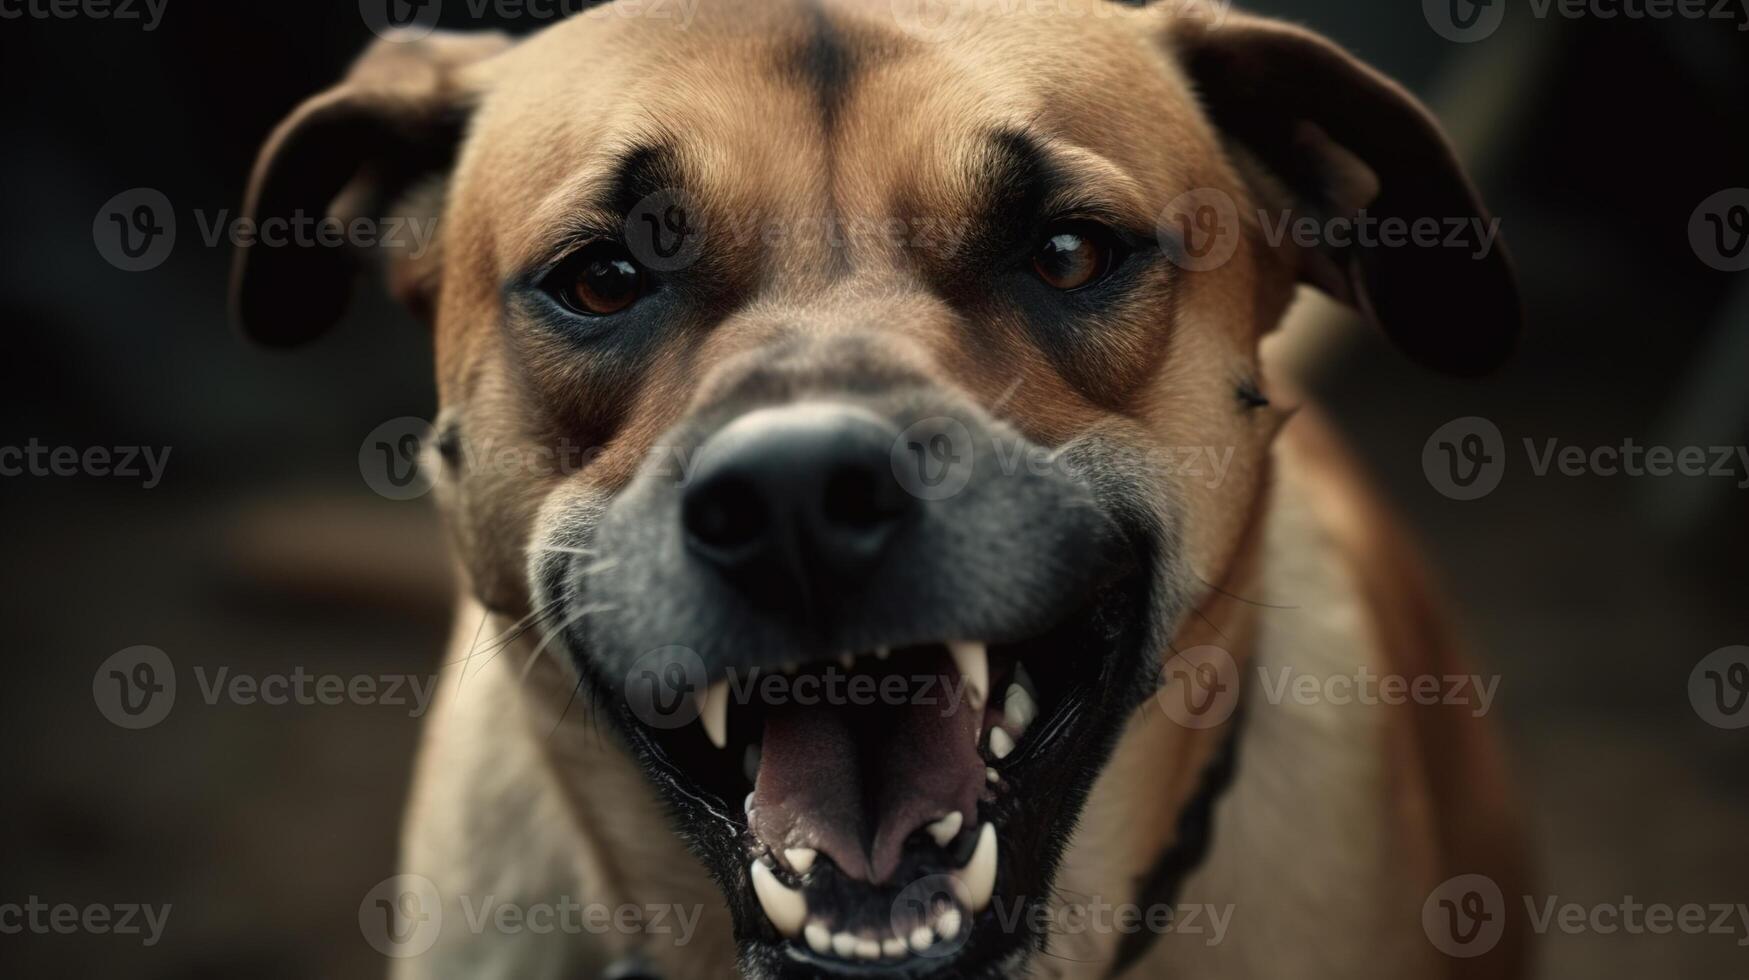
{"x": 844, "y": 944}
{"x": 882, "y": 653}
{"x": 949, "y": 923}
{"x": 947, "y": 828}
{"x": 750, "y": 763}
{"x": 979, "y": 874}
{"x": 893, "y": 948}
{"x": 868, "y": 949}
{"x": 747, "y": 804}
{"x": 1001, "y": 743}
{"x": 784, "y": 906}
{"x": 992, "y": 776}
{"x": 713, "y": 713}
{"x": 800, "y": 858}
{"x": 921, "y": 939}
{"x": 973, "y": 662}
{"x": 1018, "y": 708}
{"x": 819, "y": 937}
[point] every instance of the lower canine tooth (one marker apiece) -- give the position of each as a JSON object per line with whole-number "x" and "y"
{"x": 948, "y": 926}
{"x": 819, "y": 937}
{"x": 784, "y": 906}
{"x": 947, "y": 828}
{"x": 979, "y": 874}
{"x": 1018, "y": 708}
{"x": 1001, "y": 743}
{"x": 713, "y": 713}
{"x": 801, "y": 858}
{"x": 973, "y": 662}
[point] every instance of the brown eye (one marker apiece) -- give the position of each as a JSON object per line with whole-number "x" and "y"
{"x": 1073, "y": 256}
{"x": 600, "y": 280}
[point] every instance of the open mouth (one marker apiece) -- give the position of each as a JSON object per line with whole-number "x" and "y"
{"x": 871, "y": 797}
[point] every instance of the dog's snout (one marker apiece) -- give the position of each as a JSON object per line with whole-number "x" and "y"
{"x": 788, "y": 501}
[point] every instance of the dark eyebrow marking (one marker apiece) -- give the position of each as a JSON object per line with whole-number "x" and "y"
{"x": 642, "y": 170}
{"x": 1018, "y": 179}
{"x": 824, "y": 62}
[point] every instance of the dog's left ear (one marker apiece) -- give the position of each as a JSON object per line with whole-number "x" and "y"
{"x": 349, "y": 153}
{"x": 1309, "y": 123}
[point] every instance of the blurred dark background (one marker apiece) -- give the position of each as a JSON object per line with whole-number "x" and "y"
{"x": 264, "y": 550}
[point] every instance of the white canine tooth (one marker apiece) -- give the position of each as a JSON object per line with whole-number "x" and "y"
{"x": 893, "y": 948}
{"x": 949, "y": 923}
{"x": 844, "y": 944}
{"x": 947, "y": 828}
{"x": 921, "y": 939}
{"x": 979, "y": 874}
{"x": 784, "y": 906}
{"x": 973, "y": 662}
{"x": 713, "y": 713}
{"x": 1018, "y": 708}
{"x": 1001, "y": 743}
{"x": 868, "y": 949}
{"x": 800, "y": 858}
{"x": 818, "y": 936}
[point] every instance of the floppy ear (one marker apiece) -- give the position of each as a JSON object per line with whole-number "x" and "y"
{"x": 1311, "y": 124}
{"x": 351, "y": 153}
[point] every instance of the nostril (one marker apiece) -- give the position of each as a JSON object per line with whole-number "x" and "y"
{"x": 728, "y": 516}
{"x": 863, "y": 498}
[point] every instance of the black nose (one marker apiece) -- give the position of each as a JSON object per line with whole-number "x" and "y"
{"x": 789, "y": 502}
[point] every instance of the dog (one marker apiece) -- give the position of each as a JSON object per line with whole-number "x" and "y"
{"x": 840, "y": 343}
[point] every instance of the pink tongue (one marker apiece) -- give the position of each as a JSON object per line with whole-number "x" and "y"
{"x": 855, "y": 780}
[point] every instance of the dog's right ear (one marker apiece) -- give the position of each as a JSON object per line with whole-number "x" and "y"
{"x": 351, "y": 152}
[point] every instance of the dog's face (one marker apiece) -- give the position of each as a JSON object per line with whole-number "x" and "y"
{"x": 885, "y": 407}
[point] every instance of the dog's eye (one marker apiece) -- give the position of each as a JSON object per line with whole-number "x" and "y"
{"x": 1074, "y": 255}
{"x": 599, "y": 280}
